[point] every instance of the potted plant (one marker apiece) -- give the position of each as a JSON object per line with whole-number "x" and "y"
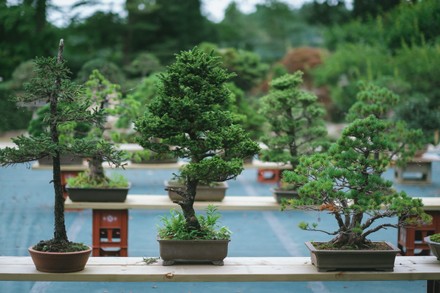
{"x": 189, "y": 118}
{"x": 211, "y": 245}
{"x": 434, "y": 244}
{"x": 93, "y": 185}
{"x": 66, "y": 103}
{"x": 346, "y": 182}
{"x": 296, "y": 125}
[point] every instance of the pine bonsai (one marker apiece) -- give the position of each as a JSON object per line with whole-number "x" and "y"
{"x": 189, "y": 118}
{"x": 296, "y": 123}
{"x": 67, "y": 103}
{"x": 347, "y": 180}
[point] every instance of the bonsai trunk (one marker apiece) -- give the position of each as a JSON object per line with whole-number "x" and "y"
{"x": 187, "y": 206}
{"x": 97, "y": 170}
{"x": 60, "y": 234}
{"x": 349, "y": 239}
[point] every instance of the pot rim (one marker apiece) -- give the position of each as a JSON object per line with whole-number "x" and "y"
{"x": 30, "y": 249}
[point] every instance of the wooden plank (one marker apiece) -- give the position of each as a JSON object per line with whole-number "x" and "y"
{"x": 430, "y": 203}
{"x": 160, "y": 202}
{"x": 232, "y": 203}
{"x": 236, "y": 269}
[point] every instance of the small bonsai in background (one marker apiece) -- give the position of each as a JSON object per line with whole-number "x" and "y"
{"x": 296, "y": 121}
{"x": 189, "y": 118}
{"x": 103, "y": 94}
{"x": 296, "y": 126}
{"x": 67, "y": 103}
{"x": 347, "y": 181}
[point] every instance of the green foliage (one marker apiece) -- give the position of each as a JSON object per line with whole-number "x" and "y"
{"x": 107, "y": 68}
{"x": 296, "y": 121}
{"x": 348, "y": 65}
{"x": 194, "y": 86}
{"x": 132, "y": 107}
{"x": 246, "y": 112}
{"x": 175, "y": 227}
{"x": 249, "y": 68}
{"x": 147, "y": 155}
{"x": 144, "y": 64}
{"x": 85, "y": 180}
{"x": 346, "y": 181}
{"x": 397, "y": 49}
{"x": 11, "y": 118}
{"x": 435, "y": 237}
{"x": 190, "y": 119}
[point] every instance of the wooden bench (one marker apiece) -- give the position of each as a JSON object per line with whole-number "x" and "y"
{"x": 235, "y": 269}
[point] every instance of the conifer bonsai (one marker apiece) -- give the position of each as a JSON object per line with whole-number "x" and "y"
{"x": 296, "y": 126}
{"x": 68, "y": 103}
{"x": 296, "y": 121}
{"x": 190, "y": 119}
{"x": 101, "y": 93}
{"x": 347, "y": 181}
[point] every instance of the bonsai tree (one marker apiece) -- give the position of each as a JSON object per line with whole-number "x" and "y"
{"x": 189, "y": 118}
{"x": 67, "y": 103}
{"x": 295, "y": 118}
{"x": 102, "y": 93}
{"x": 347, "y": 181}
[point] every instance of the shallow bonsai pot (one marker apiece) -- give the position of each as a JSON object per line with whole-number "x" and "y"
{"x": 156, "y": 161}
{"x": 434, "y": 246}
{"x": 193, "y": 251}
{"x": 353, "y": 260}
{"x": 204, "y": 192}
{"x": 64, "y": 160}
{"x": 97, "y": 194}
{"x": 280, "y": 194}
{"x": 59, "y": 262}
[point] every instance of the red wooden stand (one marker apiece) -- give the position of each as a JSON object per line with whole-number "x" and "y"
{"x": 269, "y": 175}
{"x": 410, "y": 239}
{"x": 110, "y": 233}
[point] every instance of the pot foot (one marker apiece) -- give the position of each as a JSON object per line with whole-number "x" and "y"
{"x": 218, "y": 263}
{"x": 168, "y": 262}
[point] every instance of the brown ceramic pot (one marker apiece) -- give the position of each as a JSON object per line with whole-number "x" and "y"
{"x": 59, "y": 262}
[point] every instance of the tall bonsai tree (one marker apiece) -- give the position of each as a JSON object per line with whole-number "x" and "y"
{"x": 189, "y": 118}
{"x": 67, "y": 103}
{"x": 347, "y": 181}
{"x": 295, "y": 117}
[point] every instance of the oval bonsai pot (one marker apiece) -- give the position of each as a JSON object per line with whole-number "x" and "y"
{"x": 193, "y": 251}
{"x": 353, "y": 260}
{"x": 59, "y": 262}
{"x": 97, "y": 194}
{"x": 433, "y": 246}
{"x": 204, "y": 192}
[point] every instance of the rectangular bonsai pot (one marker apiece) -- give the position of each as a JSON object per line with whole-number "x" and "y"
{"x": 204, "y": 192}
{"x": 64, "y": 160}
{"x": 97, "y": 194}
{"x": 353, "y": 260}
{"x": 193, "y": 251}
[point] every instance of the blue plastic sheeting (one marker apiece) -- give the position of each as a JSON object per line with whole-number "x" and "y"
{"x": 26, "y": 199}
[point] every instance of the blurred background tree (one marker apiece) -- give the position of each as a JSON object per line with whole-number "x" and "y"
{"x": 336, "y": 43}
